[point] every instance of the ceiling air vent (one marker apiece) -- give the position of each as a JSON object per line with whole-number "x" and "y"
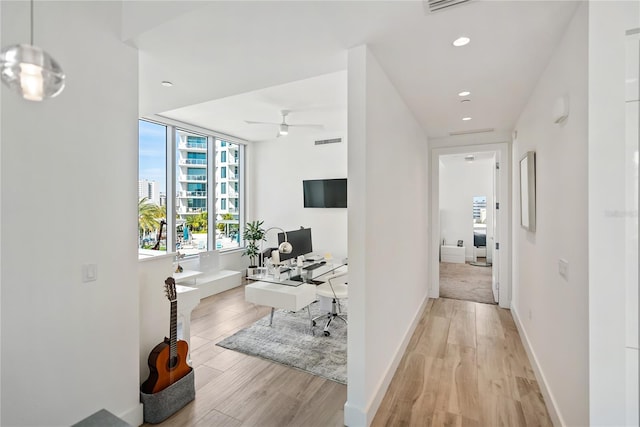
{"x": 438, "y": 5}
{"x": 328, "y": 141}
{"x": 469, "y": 132}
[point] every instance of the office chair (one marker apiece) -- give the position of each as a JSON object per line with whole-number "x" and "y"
{"x": 335, "y": 288}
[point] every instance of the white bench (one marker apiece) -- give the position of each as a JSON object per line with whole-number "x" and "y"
{"x": 208, "y": 277}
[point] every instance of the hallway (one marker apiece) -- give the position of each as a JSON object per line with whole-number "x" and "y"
{"x": 465, "y": 366}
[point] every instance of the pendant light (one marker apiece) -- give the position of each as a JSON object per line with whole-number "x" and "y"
{"x": 31, "y": 71}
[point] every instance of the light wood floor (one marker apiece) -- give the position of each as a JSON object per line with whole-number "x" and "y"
{"x": 233, "y": 389}
{"x": 465, "y": 366}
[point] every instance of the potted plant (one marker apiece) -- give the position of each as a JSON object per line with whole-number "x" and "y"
{"x": 253, "y": 235}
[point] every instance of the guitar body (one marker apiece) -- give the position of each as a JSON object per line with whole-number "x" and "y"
{"x": 163, "y": 372}
{"x": 168, "y": 360}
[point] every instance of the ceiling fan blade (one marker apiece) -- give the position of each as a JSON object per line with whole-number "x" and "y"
{"x": 251, "y": 122}
{"x": 308, "y": 125}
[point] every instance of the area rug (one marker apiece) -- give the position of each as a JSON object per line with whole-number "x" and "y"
{"x": 466, "y": 282}
{"x": 290, "y": 342}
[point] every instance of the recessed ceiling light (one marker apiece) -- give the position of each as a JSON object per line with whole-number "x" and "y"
{"x": 461, "y": 41}
{"x": 166, "y": 83}
{"x": 470, "y": 158}
{"x": 466, "y": 119}
{"x": 464, "y": 93}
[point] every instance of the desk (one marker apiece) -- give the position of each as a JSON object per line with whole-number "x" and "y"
{"x": 275, "y": 295}
{"x": 307, "y": 276}
{"x": 279, "y": 291}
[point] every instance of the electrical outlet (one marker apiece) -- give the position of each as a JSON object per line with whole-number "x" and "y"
{"x": 563, "y": 268}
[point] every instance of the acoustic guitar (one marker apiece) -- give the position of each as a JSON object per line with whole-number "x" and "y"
{"x": 167, "y": 360}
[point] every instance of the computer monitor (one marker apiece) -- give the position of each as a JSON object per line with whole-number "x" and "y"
{"x": 300, "y": 240}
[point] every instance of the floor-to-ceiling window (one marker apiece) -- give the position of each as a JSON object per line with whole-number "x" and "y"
{"x": 152, "y": 185}
{"x": 195, "y": 176}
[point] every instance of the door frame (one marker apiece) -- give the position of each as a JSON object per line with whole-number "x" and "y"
{"x": 503, "y": 156}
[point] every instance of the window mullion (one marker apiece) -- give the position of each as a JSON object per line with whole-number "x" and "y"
{"x": 171, "y": 189}
{"x": 211, "y": 192}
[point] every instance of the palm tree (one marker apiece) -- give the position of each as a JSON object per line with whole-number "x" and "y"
{"x": 149, "y": 216}
{"x": 198, "y": 222}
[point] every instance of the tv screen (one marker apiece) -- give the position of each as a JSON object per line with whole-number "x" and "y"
{"x": 300, "y": 241}
{"x": 325, "y": 193}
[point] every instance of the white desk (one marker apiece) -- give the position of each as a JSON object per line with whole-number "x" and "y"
{"x": 273, "y": 295}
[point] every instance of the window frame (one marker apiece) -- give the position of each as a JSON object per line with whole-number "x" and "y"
{"x": 171, "y": 157}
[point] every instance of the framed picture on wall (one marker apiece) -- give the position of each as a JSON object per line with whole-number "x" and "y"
{"x": 528, "y": 191}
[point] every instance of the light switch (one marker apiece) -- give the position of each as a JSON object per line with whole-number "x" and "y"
{"x": 89, "y": 272}
{"x": 563, "y": 268}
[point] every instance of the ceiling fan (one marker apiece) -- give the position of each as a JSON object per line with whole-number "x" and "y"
{"x": 283, "y": 127}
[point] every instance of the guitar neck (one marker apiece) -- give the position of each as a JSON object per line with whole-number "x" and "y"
{"x": 173, "y": 337}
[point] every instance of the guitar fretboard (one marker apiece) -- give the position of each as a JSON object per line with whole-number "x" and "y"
{"x": 173, "y": 337}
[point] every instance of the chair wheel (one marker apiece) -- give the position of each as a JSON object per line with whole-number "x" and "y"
{"x": 327, "y": 333}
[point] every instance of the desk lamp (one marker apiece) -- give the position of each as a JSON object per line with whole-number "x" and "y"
{"x": 284, "y": 247}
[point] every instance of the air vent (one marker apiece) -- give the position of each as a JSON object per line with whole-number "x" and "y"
{"x": 468, "y": 132}
{"x": 438, "y": 5}
{"x": 328, "y": 141}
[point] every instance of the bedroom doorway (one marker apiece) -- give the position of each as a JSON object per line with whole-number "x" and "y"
{"x": 470, "y": 213}
{"x": 466, "y": 226}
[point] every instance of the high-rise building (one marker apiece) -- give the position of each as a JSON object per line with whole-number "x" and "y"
{"x": 191, "y": 188}
{"x": 192, "y": 176}
{"x": 227, "y": 180}
{"x": 150, "y": 190}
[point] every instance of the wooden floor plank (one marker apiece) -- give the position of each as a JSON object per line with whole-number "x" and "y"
{"x": 488, "y": 321}
{"x": 458, "y": 385}
{"x": 462, "y": 330}
{"x": 533, "y": 407}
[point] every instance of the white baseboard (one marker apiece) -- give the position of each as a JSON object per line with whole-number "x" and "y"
{"x": 134, "y": 416}
{"x": 356, "y": 416}
{"x": 552, "y": 406}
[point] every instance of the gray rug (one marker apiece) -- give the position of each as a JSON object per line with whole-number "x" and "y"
{"x": 466, "y": 282}
{"x": 290, "y": 342}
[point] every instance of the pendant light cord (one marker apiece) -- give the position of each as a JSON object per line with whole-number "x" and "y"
{"x": 31, "y": 29}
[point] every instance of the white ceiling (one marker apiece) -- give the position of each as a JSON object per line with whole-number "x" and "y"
{"x": 241, "y": 60}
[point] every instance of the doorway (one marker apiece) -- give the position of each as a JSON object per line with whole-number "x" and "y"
{"x": 470, "y": 207}
{"x": 466, "y": 198}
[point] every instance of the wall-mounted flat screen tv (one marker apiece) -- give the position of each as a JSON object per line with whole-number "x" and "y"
{"x": 325, "y": 193}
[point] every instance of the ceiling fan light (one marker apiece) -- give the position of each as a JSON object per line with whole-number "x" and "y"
{"x": 284, "y": 129}
{"x": 31, "y": 72}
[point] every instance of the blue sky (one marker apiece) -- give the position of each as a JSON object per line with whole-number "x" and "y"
{"x": 152, "y": 159}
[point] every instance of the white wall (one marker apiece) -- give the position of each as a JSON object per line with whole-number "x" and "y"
{"x": 70, "y": 348}
{"x": 388, "y": 232}
{"x": 608, "y": 215}
{"x": 278, "y": 169}
{"x": 460, "y": 182}
{"x": 552, "y": 311}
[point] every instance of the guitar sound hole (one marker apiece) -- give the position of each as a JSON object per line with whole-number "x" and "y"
{"x": 172, "y": 362}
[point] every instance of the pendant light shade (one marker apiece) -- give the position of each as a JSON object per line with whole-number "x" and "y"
{"x": 31, "y": 72}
